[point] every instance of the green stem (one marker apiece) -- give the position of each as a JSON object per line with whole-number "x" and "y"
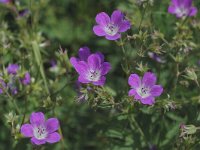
{"x": 143, "y": 14}
{"x": 38, "y": 59}
{"x": 13, "y": 102}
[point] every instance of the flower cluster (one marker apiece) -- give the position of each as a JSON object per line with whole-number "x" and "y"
{"x": 12, "y": 75}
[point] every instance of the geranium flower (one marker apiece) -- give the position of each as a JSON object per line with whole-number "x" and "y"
{"x": 156, "y": 57}
{"x": 5, "y": 1}
{"x": 12, "y": 69}
{"x": 144, "y": 89}
{"x": 112, "y": 27}
{"x": 41, "y": 131}
{"x": 182, "y": 8}
{"x": 26, "y": 79}
{"x": 90, "y": 67}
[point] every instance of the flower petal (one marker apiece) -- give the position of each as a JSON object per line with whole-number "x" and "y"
{"x": 117, "y": 17}
{"x": 105, "y": 68}
{"x": 37, "y": 118}
{"x": 102, "y": 19}
{"x": 131, "y": 92}
{"x": 83, "y": 79}
{"x": 148, "y": 101}
{"x": 81, "y": 67}
{"x": 187, "y": 3}
{"x": 27, "y": 130}
{"x": 156, "y": 90}
{"x": 193, "y": 11}
{"x": 73, "y": 61}
{"x": 94, "y": 61}
{"x": 37, "y": 142}
{"x": 101, "y": 56}
{"x": 101, "y": 81}
{"x": 53, "y": 137}
{"x": 172, "y": 9}
{"x": 98, "y": 30}
{"x": 125, "y": 25}
{"x": 114, "y": 37}
{"x": 52, "y": 125}
{"x": 84, "y": 53}
{"x": 149, "y": 79}
{"x": 134, "y": 81}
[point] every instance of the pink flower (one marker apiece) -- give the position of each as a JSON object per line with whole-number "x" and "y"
{"x": 112, "y": 27}
{"x": 144, "y": 89}
{"x": 41, "y": 131}
{"x": 182, "y": 8}
{"x": 90, "y": 67}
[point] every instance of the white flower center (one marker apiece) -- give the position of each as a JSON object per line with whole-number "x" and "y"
{"x": 182, "y": 11}
{"x": 143, "y": 91}
{"x": 94, "y": 75}
{"x": 40, "y": 132}
{"x": 111, "y": 29}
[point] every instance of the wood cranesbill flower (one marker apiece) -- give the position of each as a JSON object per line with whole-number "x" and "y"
{"x": 26, "y": 79}
{"x": 182, "y": 8}
{"x": 112, "y": 27}
{"x": 144, "y": 90}
{"x": 90, "y": 67}
{"x": 12, "y": 69}
{"x": 5, "y": 1}
{"x": 41, "y": 131}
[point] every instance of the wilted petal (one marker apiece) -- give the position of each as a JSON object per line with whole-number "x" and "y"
{"x": 27, "y": 130}
{"x": 52, "y": 125}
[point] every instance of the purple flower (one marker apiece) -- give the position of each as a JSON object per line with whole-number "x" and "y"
{"x": 23, "y": 12}
{"x": 41, "y": 131}
{"x": 5, "y": 1}
{"x": 144, "y": 89}
{"x": 156, "y": 57}
{"x": 26, "y": 79}
{"x": 111, "y": 27}
{"x": 90, "y": 67}
{"x": 182, "y": 8}
{"x": 12, "y": 69}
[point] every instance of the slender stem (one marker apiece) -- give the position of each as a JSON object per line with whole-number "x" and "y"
{"x": 13, "y": 102}
{"x": 143, "y": 14}
{"x": 176, "y": 79}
